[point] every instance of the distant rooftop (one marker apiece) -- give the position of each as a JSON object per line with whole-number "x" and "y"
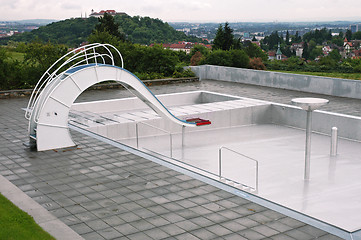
{"x": 101, "y": 13}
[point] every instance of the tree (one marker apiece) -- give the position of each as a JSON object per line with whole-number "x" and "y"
{"x": 335, "y": 55}
{"x": 256, "y": 63}
{"x": 287, "y": 37}
{"x": 218, "y": 41}
{"x": 224, "y": 38}
{"x": 220, "y": 58}
{"x": 42, "y": 56}
{"x": 102, "y": 37}
{"x": 107, "y": 24}
{"x": 228, "y": 37}
{"x": 199, "y": 48}
{"x": 196, "y": 59}
{"x": 239, "y": 58}
{"x": 357, "y": 35}
{"x": 253, "y": 51}
{"x": 315, "y": 52}
{"x": 3, "y": 68}
{"x": 305, "y": 53}
{"x": 338, "y": 40}
{"x": 296, "y": 38}
{"x": 273, "y": 40}
{"x": 348, "y": 35}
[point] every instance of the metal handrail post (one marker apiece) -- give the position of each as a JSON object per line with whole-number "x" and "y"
{"x": 170, "y": 145}
{"x": 137, "y": 134}
{"x": 256, "y": 175}
{"x": 183, "y": 133}
{"x": 220, "y": 162}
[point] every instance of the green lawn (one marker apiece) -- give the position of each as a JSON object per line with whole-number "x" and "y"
{"x": 355, "y": 76}
{"x": 16, "y": 224}
{"x": 16, "y": 56}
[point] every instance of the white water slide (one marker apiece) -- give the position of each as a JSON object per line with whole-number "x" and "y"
{"x": 66, "y": 79}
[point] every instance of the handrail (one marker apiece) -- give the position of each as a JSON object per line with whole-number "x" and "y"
{"x": 88, "y": 52}
{"x": 165, "y": 131}
{"x": 231, "y": 150}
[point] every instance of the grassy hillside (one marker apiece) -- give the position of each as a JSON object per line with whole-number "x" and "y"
{"x": 72, "y": 32}
{"x": 353, "y": 76}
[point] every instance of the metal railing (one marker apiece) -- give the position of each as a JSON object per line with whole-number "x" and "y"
{"x": 162, "y": 130}
{"x": 255, "y": 188}
{"x": 82, "y": 55}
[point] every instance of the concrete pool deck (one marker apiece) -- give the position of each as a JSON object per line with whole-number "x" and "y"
{"x": 102, "y": 192}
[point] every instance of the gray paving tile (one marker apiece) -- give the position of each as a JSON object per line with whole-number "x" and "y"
{"x": 295, "y": 233}
{"x": 203, "y": 234}
{"x": 315, "y": 232}
{"x": 278, "y": 226}
{"x": 233, "y": 226}
{"x": 235, "y": 236}
{"x": 92, "y": 236}
{"x": 187, "y": 225}
{"x": 97, "y": 224}
{"x": 266, "y": 231}
{"x": 172, "y": 229}
{"x": 126, "y": 229}
{"x": 114, "y": 220}
{"x": 202, "y": 221}
{"x": 110, "y": 233}
{"x": 143, "y": 225}
{"x": 81, "y": 228}
{"x": 282, "y": 237}
{"x": 138, "y": 236}
{"x": 156, "y": 233}
{"x": 186, "y": 236}
{"x": 291, "y": 222}
{"x": 250, "y": 234}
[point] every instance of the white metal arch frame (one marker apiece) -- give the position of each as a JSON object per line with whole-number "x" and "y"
{"x": 50, "y": 103}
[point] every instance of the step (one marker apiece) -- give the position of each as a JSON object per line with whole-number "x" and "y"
{"x": 33, "y": 136}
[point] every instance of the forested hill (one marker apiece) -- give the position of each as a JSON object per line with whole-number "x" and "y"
{"x": 72, "y": 32}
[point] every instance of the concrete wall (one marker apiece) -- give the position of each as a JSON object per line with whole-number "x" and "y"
{"x": 297, "y": 82}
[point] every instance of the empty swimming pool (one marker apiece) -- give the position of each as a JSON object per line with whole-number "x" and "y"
{"x": 253, "y": 146}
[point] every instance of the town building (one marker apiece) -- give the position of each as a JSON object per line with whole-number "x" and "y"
{"x": 297, "y": 48}
{"x": 276, "y": 55}
{"x": 182, "y": 46}
{"x": 110, "y": 12}
{"x": 354, "y": 28}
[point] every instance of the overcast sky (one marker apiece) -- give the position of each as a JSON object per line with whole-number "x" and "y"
{"x": 189, "y": 11}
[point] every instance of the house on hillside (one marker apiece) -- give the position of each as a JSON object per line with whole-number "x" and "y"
{"x": 278, "y": 55}
{"x": 350, "y": 48}
{"x": 181, "y": 46}
{"x": 297, "y": 48}
{"x": 110, "y": 12}
{"x": 347, "y": 48}
{"x": 326, "y": 50}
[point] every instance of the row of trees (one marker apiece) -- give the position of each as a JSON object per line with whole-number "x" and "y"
{"x": 145, "y": 62}
{"x": 24, "y": 73}
{"x": 156, "y": 62}
{"x": 229, "y": 51}
{"x": 74, "y": 31}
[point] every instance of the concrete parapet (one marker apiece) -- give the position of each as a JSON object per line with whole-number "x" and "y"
{"x": 297, "y": 82}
